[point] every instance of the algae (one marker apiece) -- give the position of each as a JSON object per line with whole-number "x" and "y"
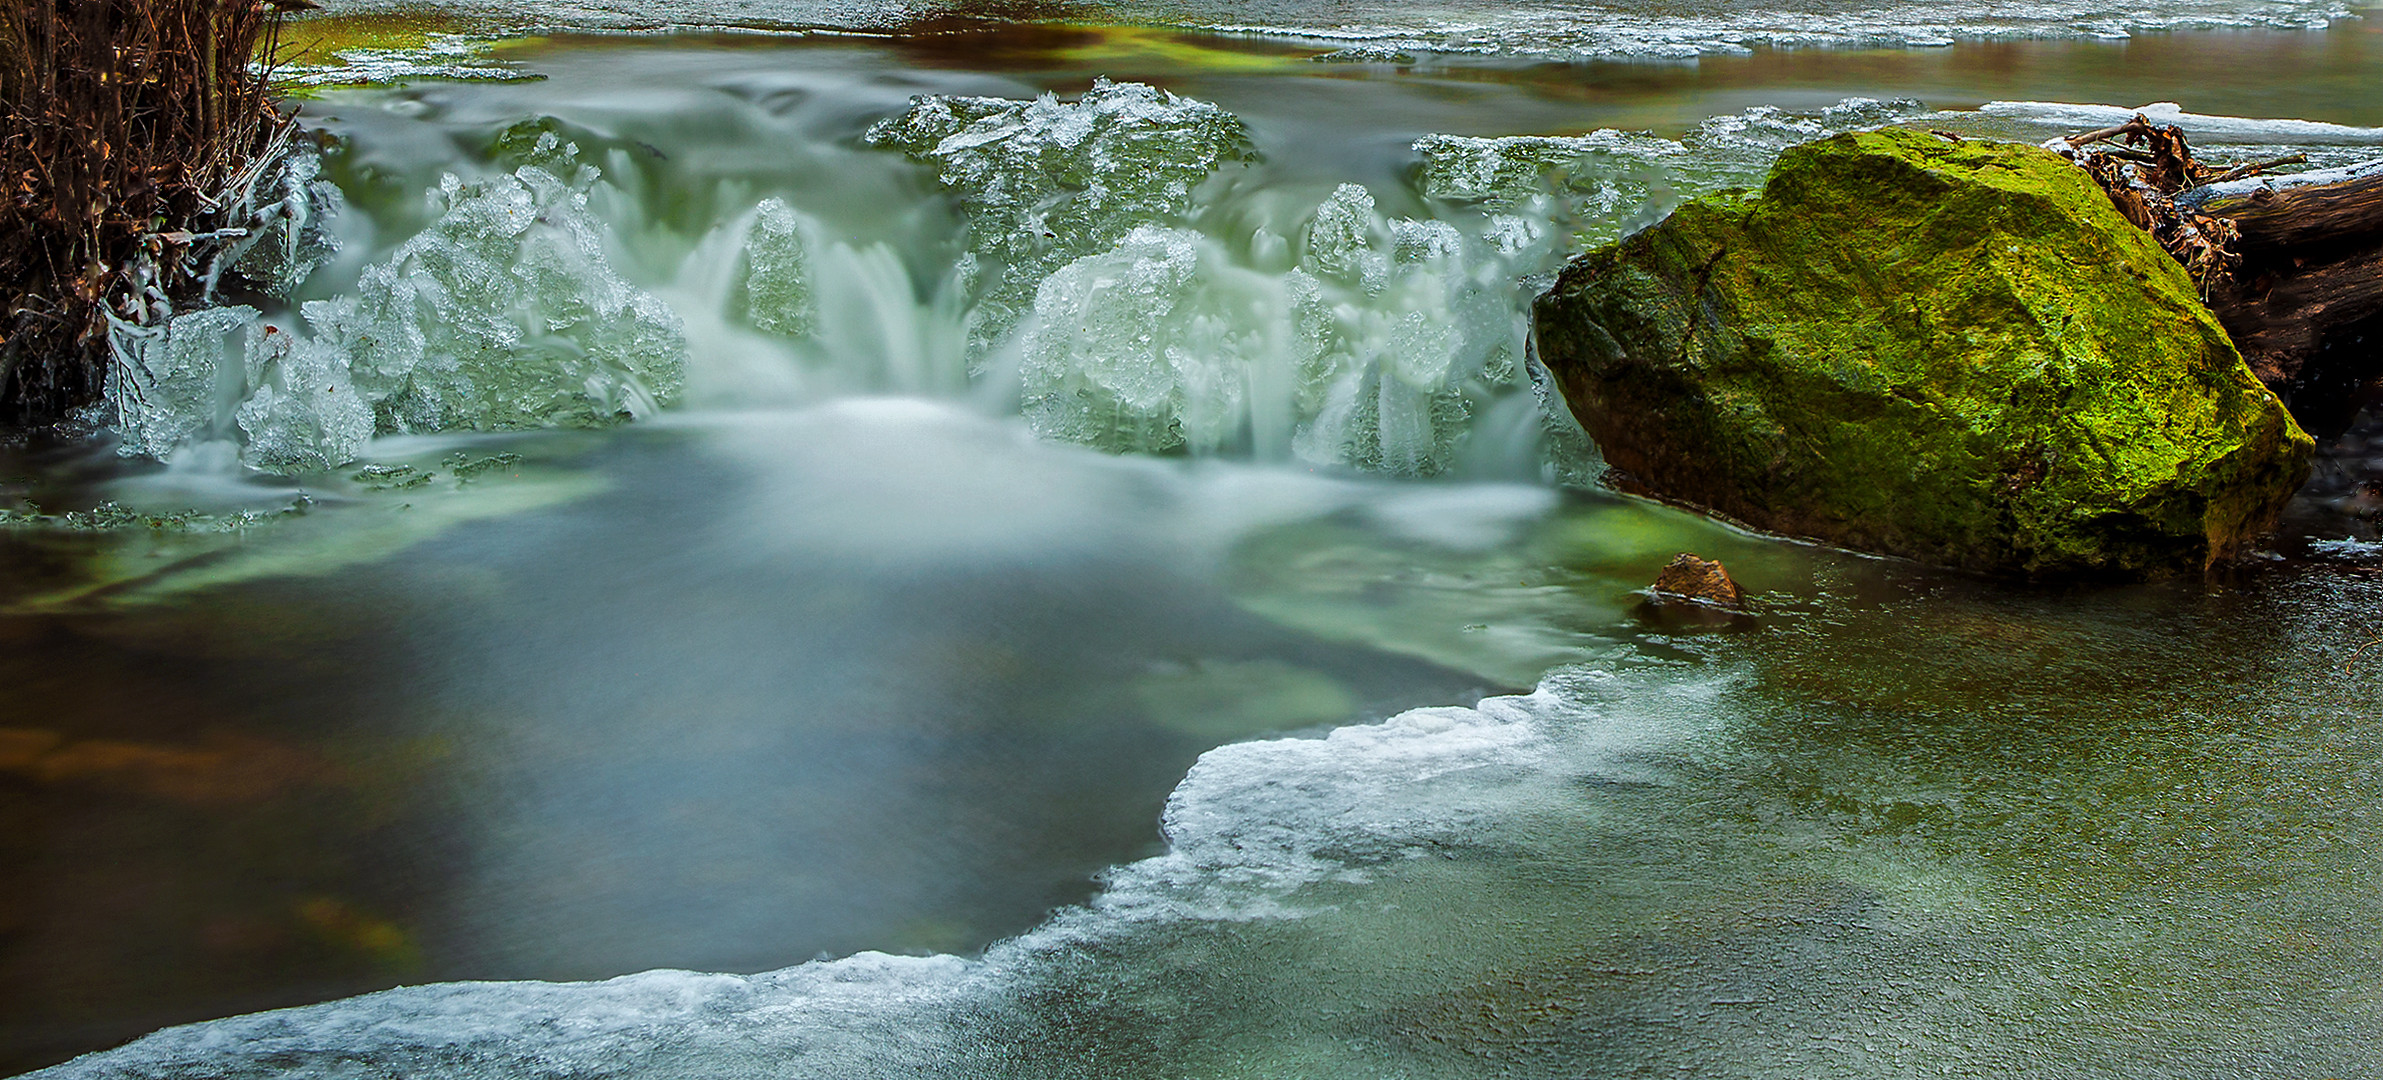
{"x": 328, "y": 51}
{"x": 1954, "y": 351}
{"x": 123, "y": 557}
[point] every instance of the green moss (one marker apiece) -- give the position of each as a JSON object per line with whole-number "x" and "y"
{"x": 1952, "y": 351}
{"x": 330, "y": 51}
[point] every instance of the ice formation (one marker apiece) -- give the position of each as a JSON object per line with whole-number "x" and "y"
{"x": 1045, "y": 182}
{"x": 1365, "y": 339}
{"x": 503, "y": 313}
{"x": 1162, "y": 343}
{"x": 304, "y": 414}
{"x": 777, "y": 290}
{"x": 299, "y": 241}
{"x": 1148, "y": 334}
{"x": 1139, "y": 302}
{"x": 176, "y": 383}
{"x": 1364, "y": 354}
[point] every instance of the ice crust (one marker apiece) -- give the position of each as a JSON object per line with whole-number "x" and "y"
{"x": 1615, "y": 28}
{"x": 1635, "y": 30}
{"x": 440, "y": 56}
{"x": 504, "y": 313}
{"x": 1253, "y": 831}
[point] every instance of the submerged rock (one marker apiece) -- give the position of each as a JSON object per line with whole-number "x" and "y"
{"x": 1694, "y": 578}
{"x": 1694, "y": 592}
{"x": 1957, "y": 352}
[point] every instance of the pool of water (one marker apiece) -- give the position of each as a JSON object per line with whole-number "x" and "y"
{"x": 970, "y": 722}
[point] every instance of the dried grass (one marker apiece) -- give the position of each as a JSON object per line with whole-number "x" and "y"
{"x": 121, "y": 122}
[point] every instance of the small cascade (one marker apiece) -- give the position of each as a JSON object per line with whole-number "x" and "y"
{"x": 1112, "y": 269}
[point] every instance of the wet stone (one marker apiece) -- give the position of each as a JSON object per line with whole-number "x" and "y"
{"x": 1693, "y": 591}
{"x": 1705, "y": 581}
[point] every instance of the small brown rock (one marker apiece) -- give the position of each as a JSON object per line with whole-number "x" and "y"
{"x": 1701, "y": 580}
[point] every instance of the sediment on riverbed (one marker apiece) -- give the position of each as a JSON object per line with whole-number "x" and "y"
{"x": 133, "y": 138}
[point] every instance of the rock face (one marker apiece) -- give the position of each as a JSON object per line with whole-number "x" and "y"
{"x": 1956, "y": 352}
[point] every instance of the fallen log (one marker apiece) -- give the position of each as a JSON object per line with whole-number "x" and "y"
{"x": 2278, "y": 213}
{"x": 2305, "y": 305}
{"x": 2292, "y": 265}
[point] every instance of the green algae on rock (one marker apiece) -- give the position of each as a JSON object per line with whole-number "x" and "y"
{"x": 1953, "y": 351}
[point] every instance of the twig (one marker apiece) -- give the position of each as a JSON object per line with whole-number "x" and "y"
{"x": 2140, "y": 125}
{"x": 2257, "y": 167}
{"x": 2361, "y": 651}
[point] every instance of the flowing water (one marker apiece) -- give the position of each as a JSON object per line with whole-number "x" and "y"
{"x": 1037, "y": 549}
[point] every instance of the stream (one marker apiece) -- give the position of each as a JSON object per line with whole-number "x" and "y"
{"x": 1033, "y": 545}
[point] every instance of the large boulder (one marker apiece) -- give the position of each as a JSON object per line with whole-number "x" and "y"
{"x": 1953, "y": 351}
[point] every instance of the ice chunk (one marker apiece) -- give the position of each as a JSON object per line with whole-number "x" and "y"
{"x": 1507, "y": 172}
{"x": 1345, "y": 239}
{"x": 1540, "y": 190}
{"x": 305, "y": 414}
{"x": 1165, "y": 343}
{"x": 1366, "y": 54}
{"x": 1414, "y": 241}
{"x": 1046, "y": 182}
{"x": 1161, "y": 343}
{"x": 177, "y": 383}
{"x": 297, "y": 241}
{"x": 505, "y": 313}
{"x": 1599, "y": 187}
{"x": 777, "y": 275}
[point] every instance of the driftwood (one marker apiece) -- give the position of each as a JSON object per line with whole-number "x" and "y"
{"x": 2292, "y": 265}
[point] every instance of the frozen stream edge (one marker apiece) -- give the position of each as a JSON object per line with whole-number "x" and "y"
{"x": 1251, "y": 827}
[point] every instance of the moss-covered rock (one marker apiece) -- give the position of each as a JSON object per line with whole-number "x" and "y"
{"x": 1953, "y": 351}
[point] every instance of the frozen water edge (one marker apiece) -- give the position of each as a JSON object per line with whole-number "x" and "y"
{"x": 1629, "y": 28}
{"x": 1251, "y": 828}
{"x": 1634, "y": 31}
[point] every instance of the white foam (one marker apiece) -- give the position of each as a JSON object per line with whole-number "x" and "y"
{"x": 2201, "y": 127}
{"x": 1640, "y": 30}
{"x": 2348, "y": 548}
